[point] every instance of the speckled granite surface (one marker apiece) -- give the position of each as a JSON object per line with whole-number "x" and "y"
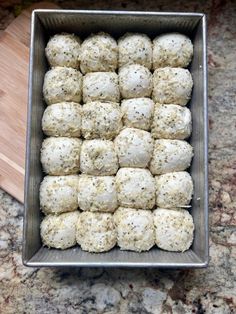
{"x": 211, "y": 290}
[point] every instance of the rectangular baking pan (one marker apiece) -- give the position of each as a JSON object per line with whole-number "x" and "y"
{"x": 48, "y": 22}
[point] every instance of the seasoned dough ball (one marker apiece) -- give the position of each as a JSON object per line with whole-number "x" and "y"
{"x": 98, "y": 157}
{"x": 58, "y": 231}
{"x": 174, "y": 189}
{"x": 137, "y": 112}
{"x": 63, "y": 50}
{"x": 174, "y": 50}
{"x": 58, "y": 194}
{"x": 135, "y": 81}
{"x": 96, "y": 232}
{"x": 135, "y": 49}
{"x": 99, "y": 53}
{"x": 62, "y": 84}
{"x": 101, "y": 120}
{"x": 135, "y": 188}
{"x": 97, "y": 193}
{"x": 62, "y": 119}
{"x": 135, "y": 229}
{"x": 171, "y": 122}
{"x": 174, "y": 229}
{"x": 134, "y": 148}
{"x": 172, "y": 86}
{"x": 170, "y": 155}
{"x": 101, "y": 86}
{"x": 60, "y": 155}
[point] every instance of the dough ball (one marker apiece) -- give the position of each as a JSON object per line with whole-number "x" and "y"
{"x": 96, "y": 232}
{"x": 98, "y": 157}
{"x": 58, "y": 231}
{"x": 135, "y": 49}
{"x": 63, "y": 50}
{"x": 59, "y": 194}
{"x": 101, "y": 120}
{"x": 62, "y": 119}
{"x": 137, "y": 112}
{"x": 173, "y": 50}
{"x": 134, "y": 148}
{"x": 97, "y": 193}
{"x": 62, "y": 84}
{"x": 101, "y": 86}
{"x": 60, "y": 155}
{"x": 171, "y": 122}
{"x": 172, "y": 86}
{"x": 135, "y": 188}
{"x": 174, "y": 189}
{"x": 135, "y": 229}
{"x": 99, "y": 53}
{"x": 174, "y": 229}
{"x": 170, "y": 155}
{"x": 135, "y": 81}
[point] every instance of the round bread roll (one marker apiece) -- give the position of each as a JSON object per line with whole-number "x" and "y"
{"x": 99, "y": 53}
{"x": 96, "y": 232}
{"x": 63, "y": 50}
{"x": 173, "y": 50}
{"x": 63, "y": 119}
{"x": 171, "y": 122}
{"x": 135, "y": 49}
{"x": 135, "y": 188}
{"x": 174, "y": 229}
{"x": 60, "y": 155}
{"x": 137, "y": 113}
{"x": 135, "y": 81}
{"x": 97, "y": 193}
{"x": 174, "y": 189}
{"x": 134, "y": 148}
{"x": 135, "y": 229}
{"x": 101, "y": 86}
{"x": 98, "y": 157}
{"x": 101, "y": 120}
{"x": 59, "y": 194}
{"x": 172, "y": 86}
{"x": 58, "y": 231}
{"x": 170, "y": 155}
{"x": 62, "y": 84}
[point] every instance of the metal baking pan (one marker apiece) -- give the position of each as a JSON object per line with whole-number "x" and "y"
{"x": 48, "y": 22}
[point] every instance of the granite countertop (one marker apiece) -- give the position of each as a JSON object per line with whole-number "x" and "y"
{"x": 211, "y": 290}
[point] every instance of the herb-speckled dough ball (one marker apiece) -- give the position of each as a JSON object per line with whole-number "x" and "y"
{"x": 135, "y": 229}
{"x": 137, "y": 112}
{"x": 173, "y": 50}
{"x": 135, "y": 81}
{"x": 63, "y": 50}
{"x": 135, "y": 188}
{"x": 174, "y": 189}
{"x": 174, "y": 229}
{"x": 62, "y": 119}
{"x": 101, "y": 120}
{"x": 135, "y": 48}
{"x": 58, "y": 194}
{"x": 170, "y": 155}
{"x": 58, "y": 231}
{"x": 62, "y": 84}
{"x": 97, "y": 193}
{"x": 96, "y": 232}
{"x": 98, "y": 157}
{"x": 60, "y": 155}
{"x": 101, "y": 86}
{"x": 99, "y": 53}
{"x": 172, "y": 86}
{"x": 134, "y": 148}
{"x": 171, "y": 122}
